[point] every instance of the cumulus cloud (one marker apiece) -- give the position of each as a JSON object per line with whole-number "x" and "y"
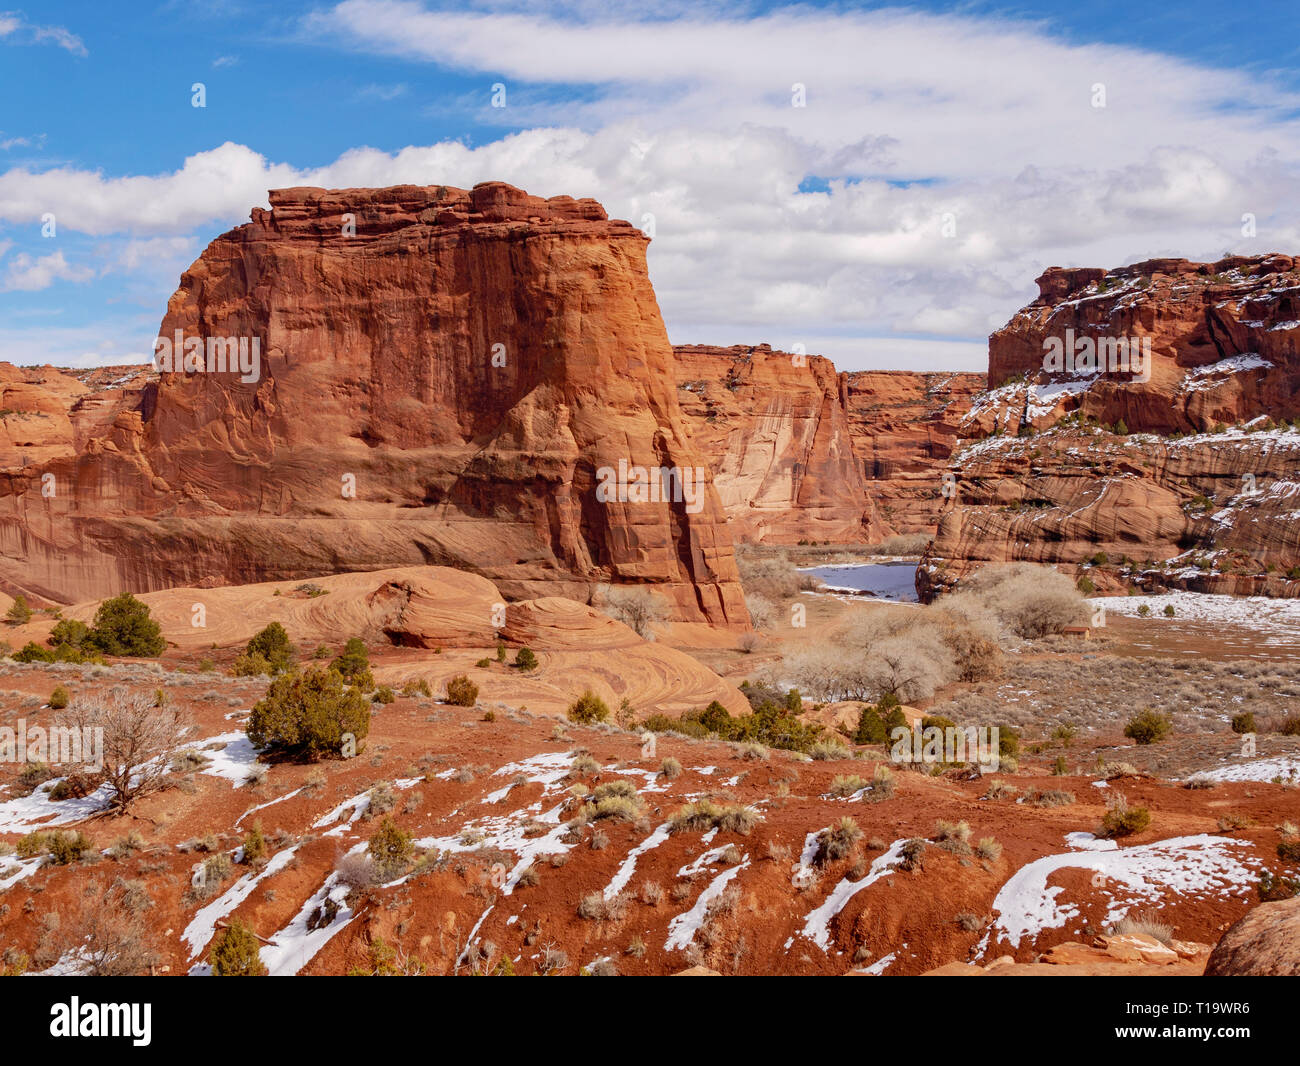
{"x": 28, "y": 273}
{"x": 940, "y": 163}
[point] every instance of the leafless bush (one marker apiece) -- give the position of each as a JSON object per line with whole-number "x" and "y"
{"x": 639, "y": 609}
{"x": 137, "y": 739}
{"x": 106, "y": 935}
{"x": 1031, "y": 601}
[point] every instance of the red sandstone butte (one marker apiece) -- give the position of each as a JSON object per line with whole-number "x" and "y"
{"x": 377, "y": 368}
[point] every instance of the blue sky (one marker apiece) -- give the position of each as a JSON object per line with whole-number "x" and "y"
{"x": 822, "y": 225}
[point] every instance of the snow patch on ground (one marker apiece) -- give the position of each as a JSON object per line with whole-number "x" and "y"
{"x": 1189, "y": 866}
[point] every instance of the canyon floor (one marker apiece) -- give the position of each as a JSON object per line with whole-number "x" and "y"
{"x": 507, "y": 880}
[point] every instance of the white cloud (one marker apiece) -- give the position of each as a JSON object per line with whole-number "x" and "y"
{"x": 225, "y": 61}
{"x": 918, "y": 124}
{"x": 32, "y": 273}
{"x": 18, "y": 31}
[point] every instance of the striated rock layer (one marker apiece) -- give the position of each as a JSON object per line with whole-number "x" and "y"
{"x": 905, "y": 427}
{"x": 776, "y": 431}
{"x": 802, "y": 452}
{"x": 1144, "y": 464}
{"x": 1224, "y": 344}
{"x": 444, "y": 384}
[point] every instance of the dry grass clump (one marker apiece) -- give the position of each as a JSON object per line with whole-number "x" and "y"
{"x": 703, "y": 815}
{"x": 837, "y": 841}
{"x": 1147, "y": 923}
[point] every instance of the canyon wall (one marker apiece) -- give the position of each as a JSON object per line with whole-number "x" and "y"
{"x": 445, "y": 376}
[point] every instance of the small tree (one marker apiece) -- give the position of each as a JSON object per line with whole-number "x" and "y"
{"x": 309, "y": 714}
{"x": 123, "y": 626}
{"x": 19, "y": 613}
{"x": 525, "y": 659}
{"x": 353, "y": 664}
{"x": 236, "y": 952}
{"x": 58, "y": 698}
{"x": 137, "y": 738}
{"x": 272, "y": 647}
{"x": 589, "y": 709}
{"x": 461, "y": 691}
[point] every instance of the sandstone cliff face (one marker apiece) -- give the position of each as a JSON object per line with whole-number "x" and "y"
{"x": 1213, "y": 505}
{"x": 1220, "y": 508}
{"x": 801, "y": 452}
{"x": 905, "y": 427}
{"x": 776, "y": 431}
{"x": 47, "y": 412}
{"x": 466, "y": 362}
{"x": 1223, "y": 338}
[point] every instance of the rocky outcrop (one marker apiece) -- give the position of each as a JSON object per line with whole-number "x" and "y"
{"x": 775, "y": 429}
{"x": 444, "y": 376}
{"x": 1223, "y": 337}
{"x": 47, "y": 412}
{"x": 1265, "y": 943}
{"x": 1139, "y": 464}
{"x": 803, "y": 453}
{"x": 905, "y": 428}
{"x": 1210, "y": 513}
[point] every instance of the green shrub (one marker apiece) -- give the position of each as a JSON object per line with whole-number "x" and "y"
{"x": 236, "y": 952}
{"x": 70, "y": 632}
{"x": 272, "y": 647}
{"x": 391, "y": 849}
{"x": 703, "y": 815}
{"x": 309, "y": 714}
{"x": 124, "y": 626}
{"x": 1121, "y": 820}
{"x": 525, "y": 659}
{"x": 588, "y": 709}
{"x": 837, "y": 841}
{"x": 461, "y": 691}
{"x": 58, "y": 698}
{"x": 382, "y": 694}
{"x": 1288, "y": 850}
{"x": 483, "y": 664}
{"x": 416, "y": 687}
{"x": 1148, "y": 727}
{"x": 19, "y": 614}
{"x": 353, "y": 664}
{"x": 254, "y": 845}
{"x": 1244, "y": 722}
{"x": 250, "y": 666}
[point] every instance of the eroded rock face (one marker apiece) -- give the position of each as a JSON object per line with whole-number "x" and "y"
{"x": 1224, "y": 342}
{"x": 1194, "y": 502}
{"x": 803, "y": 452}
{"x": 776, "y": 431}
{"x": 905, "y": 428}
{"x": 443, "y": 383}
{"x": 1265, "y": 943}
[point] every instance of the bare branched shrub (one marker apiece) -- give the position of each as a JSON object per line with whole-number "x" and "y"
{"x": 1031, "y": 601}
{"x": 639, "y": 609}
{"x": 138, "y": 737}
{"x": 106, "y": 935}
